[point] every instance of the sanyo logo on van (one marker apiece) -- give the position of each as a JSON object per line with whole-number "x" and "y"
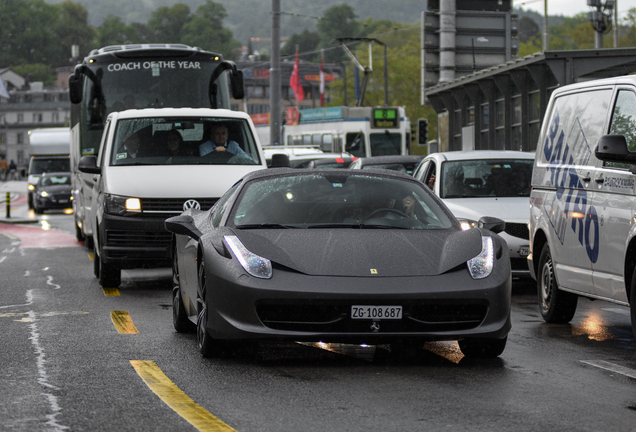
{"x": 570, "y": 202}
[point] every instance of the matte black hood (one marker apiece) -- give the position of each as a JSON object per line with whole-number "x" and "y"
{"x": 362, "y": 252}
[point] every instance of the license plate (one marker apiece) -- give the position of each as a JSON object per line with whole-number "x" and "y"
{"x": 524, "y": 251}
{"x": 63, "y": 201}
{"x": 376, "y": 312}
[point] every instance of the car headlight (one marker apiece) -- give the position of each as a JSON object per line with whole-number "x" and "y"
{"x": 30, "y": 187}
{"x": 43, "y": 194}
{"x": 120, "y": 205}
{"x": 255, "y": 265}
{"x": 481, "y": 266}
{"x": 467, "y": 224}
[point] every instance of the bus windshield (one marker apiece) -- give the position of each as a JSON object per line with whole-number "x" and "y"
{"x": 135, "y": 81}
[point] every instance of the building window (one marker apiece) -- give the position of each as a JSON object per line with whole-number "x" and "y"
{"x": 37, "y": 117}
{"x": 20, "y": 138}
{"x": 501, "y": 113}
{"x": 516, "y": 110}
{"x": 20, "y": 154}
{"x": 3, "y": 138}
{"x": 20, "y": 118}
{"x": 55, "y": 117}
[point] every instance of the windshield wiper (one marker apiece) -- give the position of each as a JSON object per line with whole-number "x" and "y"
{"x": 264, "y": 225}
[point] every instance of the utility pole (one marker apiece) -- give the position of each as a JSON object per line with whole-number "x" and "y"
{"x": 274, "y": 79}
{"x": 601, "y": 19}
{"x": 546, "y": 42}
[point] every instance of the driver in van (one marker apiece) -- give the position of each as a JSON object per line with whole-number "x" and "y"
{"x": 219, "y": 142}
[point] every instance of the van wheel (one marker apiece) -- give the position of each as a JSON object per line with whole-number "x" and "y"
{"x": 632, "y": 303}
{"x": 556, "y": 306}
{"x": 109, "y": 274}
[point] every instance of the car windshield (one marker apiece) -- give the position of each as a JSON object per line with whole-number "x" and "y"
{"x": 486, "y": 178}
{"x": 338, "y": 200}
{"x": 56, "y": 180}
{"x": 183, "y": 141}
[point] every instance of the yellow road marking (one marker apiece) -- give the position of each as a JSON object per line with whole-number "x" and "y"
{"x": 91, "y": 256}
{"x": 110, "y": 291}
{"x": 123, "y": 322}
{"x": 172, "y": 396}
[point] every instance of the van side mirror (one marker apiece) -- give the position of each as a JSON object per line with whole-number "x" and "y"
{"x": 88, "y": 165}
{"x": 236, "y": 84}
{"x": 280, "y": 160}
{"x": 75, "y": 88}
{"x": 613, "y": 148}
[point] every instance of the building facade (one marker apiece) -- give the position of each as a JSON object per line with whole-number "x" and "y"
{"x": 30, "y": 106}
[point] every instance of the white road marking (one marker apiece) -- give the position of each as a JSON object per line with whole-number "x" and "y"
{"x": 3, "y": 258}
{"x": 43, "y": 378}
{"x": 49, "y": 281}
{"x": 602, "y": 364}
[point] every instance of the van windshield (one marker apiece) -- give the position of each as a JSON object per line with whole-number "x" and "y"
{"x": 486, "y": 178}
{"x": 183, "y": 141}
{"x": 39, "y": 166}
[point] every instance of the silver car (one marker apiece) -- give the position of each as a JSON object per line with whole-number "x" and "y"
{"x": 480, "y": 183}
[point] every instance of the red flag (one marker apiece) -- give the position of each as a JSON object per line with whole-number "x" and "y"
{"x": 294, "y": 81}
{"x": 322, "y": 81}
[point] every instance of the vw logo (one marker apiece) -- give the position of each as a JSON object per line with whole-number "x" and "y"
{"x": 191, "y": 204}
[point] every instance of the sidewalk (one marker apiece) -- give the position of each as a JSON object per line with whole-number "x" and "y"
{"x": 19, "y": 209}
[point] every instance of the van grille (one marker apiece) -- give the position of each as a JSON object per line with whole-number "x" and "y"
{"x": 171, "y": 206}
{"x": 136, "y": 238}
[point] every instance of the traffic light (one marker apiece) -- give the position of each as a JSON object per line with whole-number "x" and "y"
{"x": 422, "y": 131}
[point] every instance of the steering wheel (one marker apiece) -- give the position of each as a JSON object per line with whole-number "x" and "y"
{"x": 386, "y": 210}
{"x": 216, "y": 156}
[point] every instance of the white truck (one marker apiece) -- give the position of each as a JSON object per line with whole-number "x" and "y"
{"x": 49, "y": 149}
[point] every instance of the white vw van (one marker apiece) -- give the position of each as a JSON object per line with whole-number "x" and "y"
{"x": 583, "y": 199}
{"x": 153, "y": 164}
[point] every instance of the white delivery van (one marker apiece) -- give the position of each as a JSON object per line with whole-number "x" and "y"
{"x": 583, "y": 199}
{"x": 49, "y": 149}
{"x": 153, "y": 164}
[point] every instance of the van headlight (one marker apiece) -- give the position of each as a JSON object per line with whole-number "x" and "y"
{"x": 253, "y": 264}
{"x": 467, "y": 224}
{"x": 481, "y": 266}
{"x": 120, "y": 205}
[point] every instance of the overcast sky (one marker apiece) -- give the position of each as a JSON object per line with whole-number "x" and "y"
{"x": 571, "y": 7}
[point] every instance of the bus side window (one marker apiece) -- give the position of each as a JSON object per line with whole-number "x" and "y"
{"x": 355, "y": 144}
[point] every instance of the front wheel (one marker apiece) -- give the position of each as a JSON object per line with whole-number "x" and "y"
{"x": 109, "y": 274}
{"x": 483, "y": 348}
{"x": 556, "y": 306}
{"x": 180, "y": 319}
{"x": 632, "y": 303}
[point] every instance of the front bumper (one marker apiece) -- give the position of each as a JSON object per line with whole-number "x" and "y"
{"x": 301, "y": 307}
{"x": 134, "y": 241}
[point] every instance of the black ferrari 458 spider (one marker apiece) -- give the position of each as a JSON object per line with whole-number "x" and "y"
{"x": 345, "y": 256}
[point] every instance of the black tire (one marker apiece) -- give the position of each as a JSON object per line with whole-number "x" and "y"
{"x": 556, "y": 306}
{"x": 37, "y": 209}
{"x": 95, "y": 265}
{"x": 79, "y": 234}
{"x": 483, "y": 348}
{"x": 109, "y": 274}
{"x": 632, "y": 303}
{"x": 179, "y": 318}
{"x": 89, "y": 243}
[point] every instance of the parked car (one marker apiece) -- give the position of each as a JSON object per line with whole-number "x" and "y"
{"x": 53, "y": 191}
{"x": 329, "y": 163}
{"x": 293, "y": 254}
{"x": 484, "y": 183}
{"x": 402, "y": 163}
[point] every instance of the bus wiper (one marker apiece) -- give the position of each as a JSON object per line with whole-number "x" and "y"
{"x": 264, "y": 225}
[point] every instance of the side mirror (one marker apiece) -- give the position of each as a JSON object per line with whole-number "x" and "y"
{"x": 183, "y": 225}
{"x": 88, "y": 165}
{"x": 75, "y": 88}
{"x": 493, "y": 224}
{"x": 613, "y": 148}
{"x": 280, "y": 160}
{"x": 236, "y": 84}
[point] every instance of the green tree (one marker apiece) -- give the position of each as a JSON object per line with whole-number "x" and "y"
{"x": 337, "y": 22}
{"x": 114, "y": 31}
{"x": 166, "y": 23}
{"x": 37, "y": 72}
{"x": 205, "y": 30}
{"x": 71, "y": 28}
{"x": 306, "y": 41}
